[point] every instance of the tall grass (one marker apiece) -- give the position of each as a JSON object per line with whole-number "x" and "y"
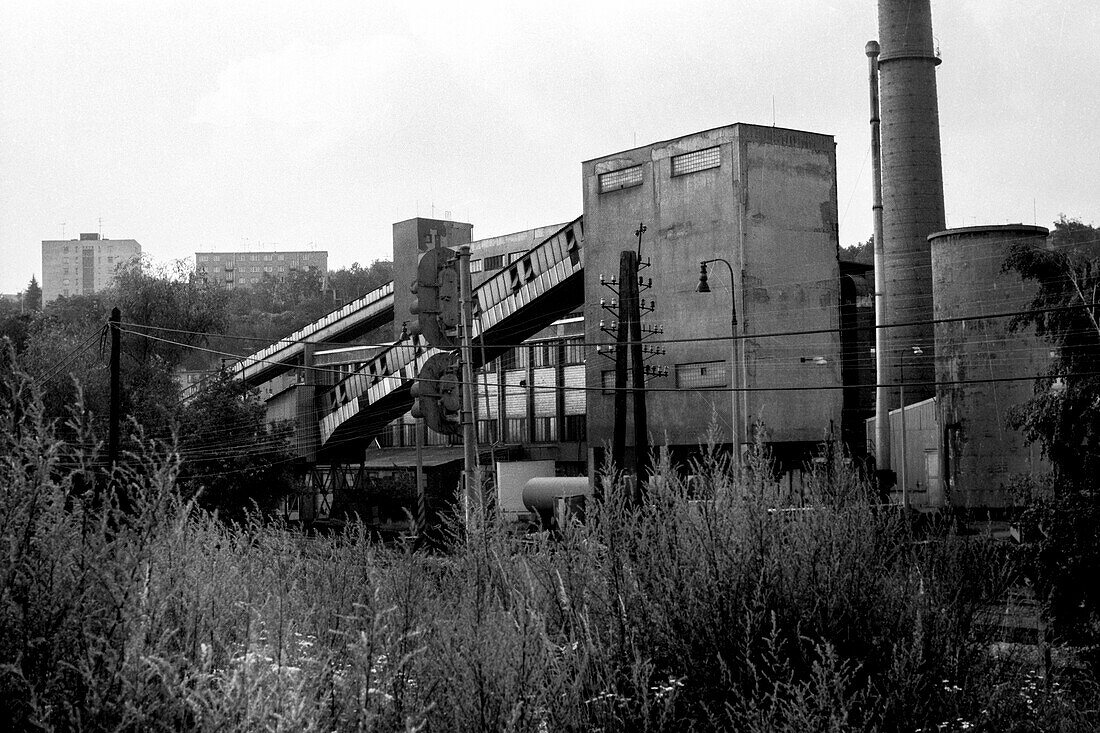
{"x": 680, "y": 614}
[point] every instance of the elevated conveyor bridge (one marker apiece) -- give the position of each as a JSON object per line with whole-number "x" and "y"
{"x": 350, "y": 321}
{"x": 526, "y": 296}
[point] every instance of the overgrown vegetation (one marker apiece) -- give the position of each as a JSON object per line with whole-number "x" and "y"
{"x": 1061, "y": 514}
{"x": 679, "y": 615}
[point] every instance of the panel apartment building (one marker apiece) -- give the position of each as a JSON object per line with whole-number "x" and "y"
{"x": 246, "y": 269}
{"x": 83, "y": 266}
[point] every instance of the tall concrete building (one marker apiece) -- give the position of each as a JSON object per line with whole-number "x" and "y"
{"x": 764, "y": 200}
{"x": 245, "y": 269}
{"x": 83, "y": 266}
{"x": 412, "y": 238}
{"x": 912, "y": 187}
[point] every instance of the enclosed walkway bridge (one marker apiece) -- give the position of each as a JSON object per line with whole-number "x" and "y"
{"x": 518, "y": 301}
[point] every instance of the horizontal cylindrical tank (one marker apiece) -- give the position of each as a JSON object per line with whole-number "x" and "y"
{"x": 983, "y": 368}
{"x": 555, "y": 499}
{"x": 544, "y": 492}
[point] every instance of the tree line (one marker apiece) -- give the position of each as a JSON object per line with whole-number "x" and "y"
{"x": 232, "y": 457}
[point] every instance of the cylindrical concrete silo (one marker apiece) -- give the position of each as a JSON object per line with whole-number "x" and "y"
{"x": 912, "y": 183}
{"x": 980, "y": 362}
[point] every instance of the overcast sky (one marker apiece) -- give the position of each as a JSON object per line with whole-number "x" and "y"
{"x": 234, "y": 125}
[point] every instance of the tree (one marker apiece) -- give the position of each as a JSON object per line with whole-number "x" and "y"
{"x": 232, "y": 460}
{"x": 32, "y": 296}
{"x": 65, "y": 345}
{"x": 864, "y": 252}
{"x": 1063, "y": 416}
{"x": 349, "y": 283}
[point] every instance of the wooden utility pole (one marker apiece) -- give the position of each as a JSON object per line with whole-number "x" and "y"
{"x": 115, "y": 414}
{"x": 114, "y": 417}
{"x": 471, "y": 474}
{"x": 628, "y": 269}
{"x": 629, "y": 359}
{"x": 637, "y": 359}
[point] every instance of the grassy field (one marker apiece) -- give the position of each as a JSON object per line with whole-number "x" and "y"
{"x": 678, "y": 615}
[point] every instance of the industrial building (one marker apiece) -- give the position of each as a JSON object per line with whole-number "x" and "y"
{"x": 83, "y": 266}
{"x": 773, "y": 342}
{"x": 242, "y": 270}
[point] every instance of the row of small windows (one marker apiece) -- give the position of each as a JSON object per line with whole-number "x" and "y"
{"x": 496, "y": 262}
{"x": 693, "y": 162}
{"x": 544, "y": 354}
{"x": 696, "y": 375}
{"x": 257, "y": 258}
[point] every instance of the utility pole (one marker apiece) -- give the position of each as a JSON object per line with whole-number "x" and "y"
{"x": 471, "y": 476}
{"x": 633, "y": 308}
{"x": 115, "y": 414}
{"x": 627, "y": 269}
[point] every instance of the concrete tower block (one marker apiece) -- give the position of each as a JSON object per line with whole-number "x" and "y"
{"x": 912, "y": 184}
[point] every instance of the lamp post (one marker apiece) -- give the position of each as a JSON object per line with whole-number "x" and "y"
{"x": 704, "y": 287}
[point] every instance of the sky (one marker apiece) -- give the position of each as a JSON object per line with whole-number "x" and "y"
{"x": 255, "y": 125}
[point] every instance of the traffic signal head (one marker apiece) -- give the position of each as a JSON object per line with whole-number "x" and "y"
{"x": 438, "y": 394}
{"x": 436, "y": 305}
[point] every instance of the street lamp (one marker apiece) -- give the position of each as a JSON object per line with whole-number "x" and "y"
{"x": 704, "y": 287}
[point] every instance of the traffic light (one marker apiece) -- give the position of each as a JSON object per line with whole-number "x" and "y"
{"x": 436, "y": 305}
{"x": 438, "y": 394}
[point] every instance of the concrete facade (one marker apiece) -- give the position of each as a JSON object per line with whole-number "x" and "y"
{"x": 244, "y": 269}
{"x": 981, "y": 453}
{"x": 411, "y": 238}
{"x": 83, "y": 266}
{"x": 764, "y": 199}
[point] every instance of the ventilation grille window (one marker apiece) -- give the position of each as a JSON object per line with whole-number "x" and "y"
{"x": 622, "y": 178}
{"x": 698, "y": 160}
{"x": 701, "y": 374}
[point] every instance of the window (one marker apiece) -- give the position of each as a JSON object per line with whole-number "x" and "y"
{"x": 573, "y": 351}
{"x": 203, "y": 258}
{"x": 267, "y": 258}
{"x": 573, "y": 427}
{"x": 701, "y": 374}
{"x": 513, "y": 256}
{"x": 516, "y": 429}
{"x": 282, "y": 257}
{"x": 622, "y": 178}
{"x": 546, "y": 353}
{"x": 494, "y": 263}
{"x": 514, "y": 358}
{"x": 255, "y": 280}
{"x": 546, "y": 429}
{"x": 697, "y": 160}
{"x": 475, "y": 265}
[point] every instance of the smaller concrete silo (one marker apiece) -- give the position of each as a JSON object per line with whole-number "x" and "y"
{"x": 980, "y": 362}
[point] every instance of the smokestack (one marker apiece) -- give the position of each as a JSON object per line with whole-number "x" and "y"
{"x": 912, "y": 185}
{"x": 882, "y": 392}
